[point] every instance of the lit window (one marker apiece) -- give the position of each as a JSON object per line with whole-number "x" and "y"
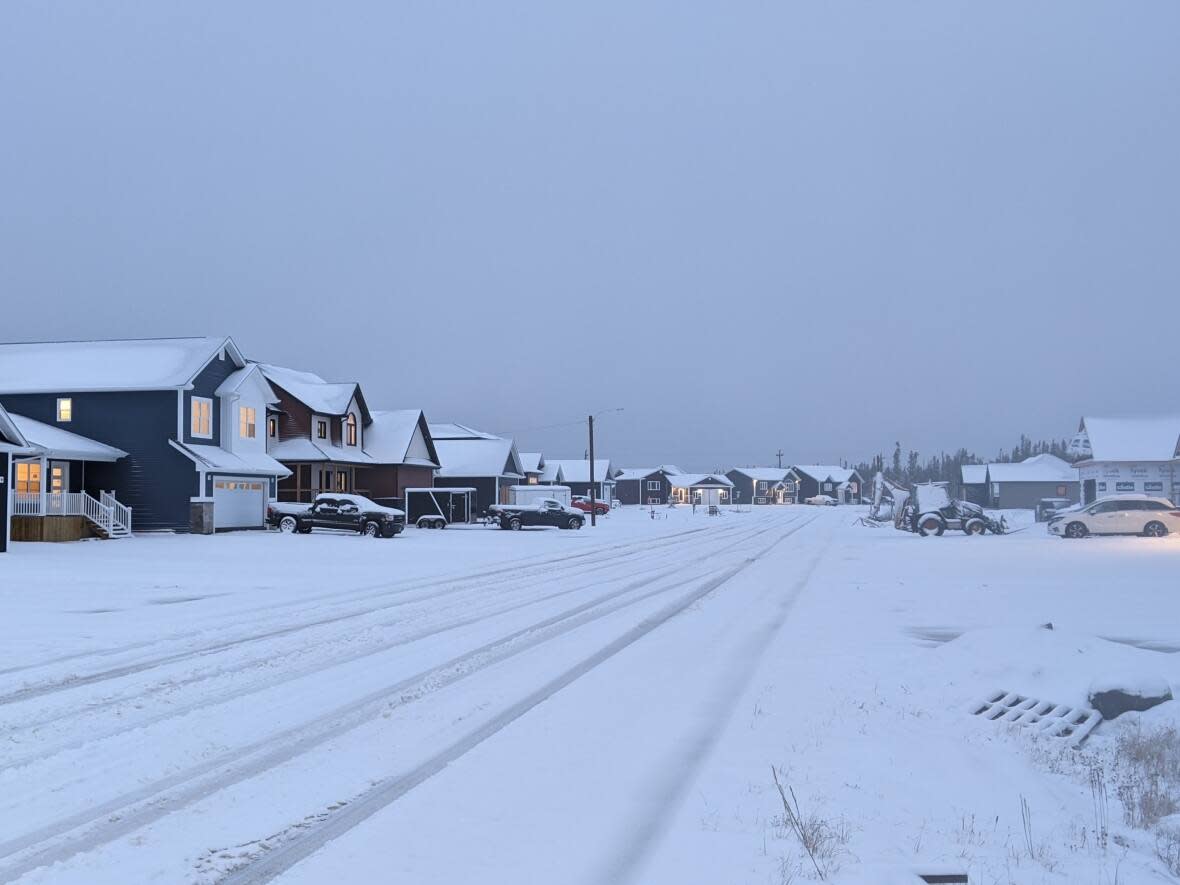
{"x": 341, "y": 481}
{"x": 350, "y": 429}
{"x": 65, "y": 409}
{"x": 272, "y": 427}
{"x": 246, "y": 425}
{"x": 202, "y": 417}
{"x": 321, "y": 429}
{"x": 28, "y": 478}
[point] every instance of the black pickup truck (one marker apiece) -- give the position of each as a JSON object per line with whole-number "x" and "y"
{"x": 546, "y": 512}
{"x": 348, "y": 513}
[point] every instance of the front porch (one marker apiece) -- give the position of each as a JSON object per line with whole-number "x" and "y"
{"x": 50, "y": 498}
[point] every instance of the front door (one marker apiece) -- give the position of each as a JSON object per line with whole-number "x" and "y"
{"x": 1089, "y": 491}
{"x": 59, "y": 484}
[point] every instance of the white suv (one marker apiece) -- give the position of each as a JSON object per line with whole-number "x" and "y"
{"x": 1123, "y": 515}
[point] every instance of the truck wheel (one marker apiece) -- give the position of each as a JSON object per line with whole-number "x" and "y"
{"x": 371, "y": 530}
{"x": 931, "y": 525}
{"x": 575, "y": 523}
{"x": 974, "y": 527}
{"x": 288, "y": 524}
{"x": 514, "y": 524}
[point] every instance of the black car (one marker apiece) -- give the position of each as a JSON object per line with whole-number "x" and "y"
{"x": 547, "y": 511}
{"x": 349, "y": 513}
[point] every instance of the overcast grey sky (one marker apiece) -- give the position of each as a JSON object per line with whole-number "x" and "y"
{"x": 820, "y": 226}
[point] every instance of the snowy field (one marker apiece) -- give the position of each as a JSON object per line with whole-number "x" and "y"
{"x": 602, "y": 706}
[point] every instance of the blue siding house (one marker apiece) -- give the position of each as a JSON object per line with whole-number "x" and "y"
{"x": 187, "y": 417}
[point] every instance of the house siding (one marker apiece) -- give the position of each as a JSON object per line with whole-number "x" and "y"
{"x": 635, "y": 491}
{"x": 155, "y": 480}
{"x": 1026, "y": 495}
{"x": 205, "y": 384}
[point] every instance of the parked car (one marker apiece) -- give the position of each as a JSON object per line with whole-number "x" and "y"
{"x": 546, "y": 512}
{"x": 1047, "y": 508}
{"x": 1120, "y": 515}
{"x": 582, "y": 502}
{"x": 821, "y": 500}
{"x": 340, "y": 512}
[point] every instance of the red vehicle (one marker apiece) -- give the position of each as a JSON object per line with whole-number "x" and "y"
{"x": 582, "y": 502}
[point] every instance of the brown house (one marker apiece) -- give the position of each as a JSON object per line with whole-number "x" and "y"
{"x": 325, "y": 434}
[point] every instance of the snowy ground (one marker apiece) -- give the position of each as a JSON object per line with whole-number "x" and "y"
{"x": 568, "y": 707}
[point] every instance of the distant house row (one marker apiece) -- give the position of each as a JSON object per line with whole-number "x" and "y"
{"x": 188, "y": 434}
{"x": 751, "y": 485}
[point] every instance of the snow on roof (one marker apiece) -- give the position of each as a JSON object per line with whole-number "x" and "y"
{"x": 579, "y": 470}
{"x": 458, "y": 431}
{"x": 530, "y": 462}
{"x": 551, "y": 473}
{"x": 132, "y": 364}
{"x": 301, "y": 449}
{"x": 322, "y": 397}
{"x": 764, "y": 474}
{"x": 10, "y": 436}
{"x": 973, "y": 474}
{"x": 630, "y": 473}
{"x": 57, "y": 443}
{"x": 1129, "y": 439}
{"x": 234, "y": 382}
{"x": 1039, "y": 468}
{"x": 217, "y": 458}
{"x": 699, "y": 480}
{"x": 389, "y": 438}
{"x": 477, "y": 457}
{"x": 825, "y": 471}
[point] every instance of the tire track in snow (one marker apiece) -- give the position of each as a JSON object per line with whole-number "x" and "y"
{"x": 473, "y": 584}
{"x": 46, "y": 750}
{"x": 131, "y": 811}
{"x": 353, "y": 594}
{"x": 389, "y": 790}
{"x": 680, "y": 774}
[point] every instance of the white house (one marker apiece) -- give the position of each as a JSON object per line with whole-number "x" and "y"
{"x": 1128, "y": 455}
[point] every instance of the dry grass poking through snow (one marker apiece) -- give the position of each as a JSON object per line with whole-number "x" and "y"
{"x": 824, "y": 840}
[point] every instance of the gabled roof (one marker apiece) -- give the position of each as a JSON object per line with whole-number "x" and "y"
{"x": 322, "y": 397}
{"x": 128, "y": 364}
{"x": 252, "y": 371}
{"x": 826, "y": 472}
{"x": 478, "y": 458}
{"x": 458, "y": 431}
{"x": 1039, "y": 468}
{"x": 763, "y": 474}
{"x": 54, "y": 442}
{"x": 532, "y": 462}
{"x": 633, "y": 473}
{"x": 1128, "y": 439}
{"x": 700, "y": 481}
{"x": 973, "y": 474}
{"x": 400, "y": 436}
{"x": 551, "y": 473}
{"x": 579, "y": 470}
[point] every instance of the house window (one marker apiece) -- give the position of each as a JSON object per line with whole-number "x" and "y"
{"x": 1102, "y": 487}
{"x": 28, "y": 478}
{"x": 1156, "y": 487}
{"x": 350, "y": 429}
{"x": 65, "y": 409}
{"x": 1062, "y": 491}
{"x": 653, "y": 485}
{"x": 763, "y": 486}
{"x": 995, "y": 490}
{"x": 202, "y": 417}
{"x": 321, "y": 429}
{"x": 272, "y": 427}
{"x": 827, "y": 486}
{"x": 246, "y": 415}
{"x": 532, "y": 479}
{"x": 341, "y": 481}
{"x": 1124, "y": 486}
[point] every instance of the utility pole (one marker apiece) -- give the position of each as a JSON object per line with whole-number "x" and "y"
{"x": 779, "y": 453}
{"x": 593, "y": 515}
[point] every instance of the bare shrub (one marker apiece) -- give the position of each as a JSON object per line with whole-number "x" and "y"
{"x": 825, "y": 841}
{"x": 1147, "y": 774}
{"x": 1167, "y": 847}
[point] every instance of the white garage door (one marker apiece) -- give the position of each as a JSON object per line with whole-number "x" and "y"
{"x": 238, "y": 502}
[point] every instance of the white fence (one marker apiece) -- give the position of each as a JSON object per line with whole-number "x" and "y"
{"x": 108, "y": 514}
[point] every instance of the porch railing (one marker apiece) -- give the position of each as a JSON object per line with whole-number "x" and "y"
{"x": 108, "y": 514}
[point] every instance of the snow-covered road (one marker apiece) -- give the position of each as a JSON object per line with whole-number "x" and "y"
{"x": 590, "y": 707}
